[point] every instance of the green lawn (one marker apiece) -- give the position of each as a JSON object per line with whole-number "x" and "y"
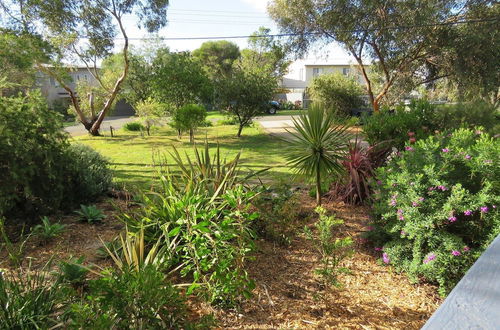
{"x": 132, "y": 155}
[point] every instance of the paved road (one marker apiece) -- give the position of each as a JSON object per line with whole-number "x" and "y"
{"x": 116, "y": 122}
{"x": 277, "y": 125}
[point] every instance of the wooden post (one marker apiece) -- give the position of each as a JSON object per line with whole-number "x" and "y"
{"x": 111, "y": 130}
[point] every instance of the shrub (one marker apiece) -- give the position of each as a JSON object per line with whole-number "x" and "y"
{"x": 400, "y": 126}
{"x": 279, "y": 214}
{"x": 88, "y": 176}
{"x": 202, "y": 220}
{"x": 32, "y": 156}
{"x": 130, "y": 300}
{"x": 227, "y": 121}
{"x": 150, "y": 111}
{"x": 435, "y": 207}
{"x": 336, "y": 93}
{"x": 332, "y": 250}
{"x": 134, "y": 126}
{"x": 39, "y": 171}
{"x": 188, "y": 118}
{"x": 468, "y": 115}
{"x": 90, "y": 214}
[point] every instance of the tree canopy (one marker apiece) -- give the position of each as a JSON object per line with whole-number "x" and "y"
{"x": 395, "y": 35}
{"x": 85, "y": 31}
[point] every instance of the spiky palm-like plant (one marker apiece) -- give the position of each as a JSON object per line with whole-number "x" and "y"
{"x": 318, "y": 146}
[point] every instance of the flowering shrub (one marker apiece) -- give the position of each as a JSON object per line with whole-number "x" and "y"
{"x": 435, "y": 206}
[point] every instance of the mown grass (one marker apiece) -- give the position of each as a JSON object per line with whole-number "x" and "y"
{"x": 132, "y": 155}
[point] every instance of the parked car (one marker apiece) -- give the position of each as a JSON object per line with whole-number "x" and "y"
{"x": 274, "y": 106}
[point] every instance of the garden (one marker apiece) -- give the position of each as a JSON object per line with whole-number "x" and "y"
{"x": 195, "y": 216}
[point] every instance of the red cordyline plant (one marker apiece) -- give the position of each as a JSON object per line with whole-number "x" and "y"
{"x": 360, "y": 164}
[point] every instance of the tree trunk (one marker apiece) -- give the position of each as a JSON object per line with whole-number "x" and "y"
{"x": 239, "y": 130}
{"x": 318, "y": 186}
{"x": 191, "y": 135}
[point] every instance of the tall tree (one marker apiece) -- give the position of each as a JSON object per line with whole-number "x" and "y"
{"x": 66, "y": 23}
{"x": 217, "y": 57}
{"x": 395, "y": 34}
{"x": 268, "y": 52}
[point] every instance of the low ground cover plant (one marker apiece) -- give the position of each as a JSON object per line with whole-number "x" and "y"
{"x": 47, "y": 231}
{"x": 90, "y": 214}
{"x": 134, "y": 126}
{"x": 435, "y": 207}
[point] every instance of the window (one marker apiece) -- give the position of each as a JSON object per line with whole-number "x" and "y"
{"x": 346, "y": 71}
{"x": 317, "y": 71}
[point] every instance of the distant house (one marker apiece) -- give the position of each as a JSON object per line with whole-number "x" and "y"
{"x": 53, "y": 91}
{"x": 302, "y": 72}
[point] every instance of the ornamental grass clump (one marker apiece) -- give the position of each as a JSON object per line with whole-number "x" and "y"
{"x": 435, "y": 206}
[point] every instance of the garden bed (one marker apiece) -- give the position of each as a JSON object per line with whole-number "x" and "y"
{"x": 287, "y": 294}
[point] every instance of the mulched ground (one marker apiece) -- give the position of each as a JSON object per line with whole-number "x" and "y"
{"x": 288, "y": 294}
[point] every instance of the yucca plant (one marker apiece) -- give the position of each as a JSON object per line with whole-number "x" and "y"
{"x": 318, "y": 146}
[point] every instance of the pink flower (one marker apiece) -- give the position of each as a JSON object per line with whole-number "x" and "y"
{"x": 413, "y": 140}
{"x": 403, "y": 233}
{"x": 442, "y": 188}
{"x": 468, "y": 212}
{"x": 414, "y": 204}
{"x": 494, "y": 206}
{"x": 386, "y": 258}
{"x": 401, "y": 217}
{"x": 411, "y": 134}
{"x": 478, "y": 132}
{"x": 455, "y": 253}
{"x": 421, "y": 199}
{"x": 393, "y": 202}
{"x": 466, "y": 248}
{"x": 370, "y": 228}
{"x": 484, "y": 209}
{"x": 445, "y": 150}
{"x": 468, "y": 157}
{"x": 408, "y": 148}
{"x": 379, "y": 182}
{"x": 379, "y": 249}
{"x": 429, "y": 258}
{"x": 400, "y": 211}
{"x": 452, "y": 218}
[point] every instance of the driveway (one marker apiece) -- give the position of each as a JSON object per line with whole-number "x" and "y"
{"x": 277, "y": 125}
{"x": 116, "y": 122}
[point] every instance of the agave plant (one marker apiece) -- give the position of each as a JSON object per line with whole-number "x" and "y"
{"x": 318, "y": 146}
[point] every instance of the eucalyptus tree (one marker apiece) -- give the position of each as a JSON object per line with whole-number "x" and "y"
{"x": 83, "y": 31}
{"x": 395, "y": 35}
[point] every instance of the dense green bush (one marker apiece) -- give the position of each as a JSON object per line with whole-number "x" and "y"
{"x": 89, "y": 174}
{"x": 422, "y": 119}
{"x": 468, "y": 115}
{"x": 130, "y": 299}
{"x": 188, "y": 118}
{"x": 401, "y": 125}
{"x": 39, "y": 171}
{"x": 202, "y": 218}
{"x": 134, "y": 126}
{"x": 336, "y": 93}
{"x": 436, "y": 205}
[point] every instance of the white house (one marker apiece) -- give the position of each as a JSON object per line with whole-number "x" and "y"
{"x": 302, "y": 72}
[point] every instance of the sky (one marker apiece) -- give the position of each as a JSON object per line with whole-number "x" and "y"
{"x": 215, "y": 18}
